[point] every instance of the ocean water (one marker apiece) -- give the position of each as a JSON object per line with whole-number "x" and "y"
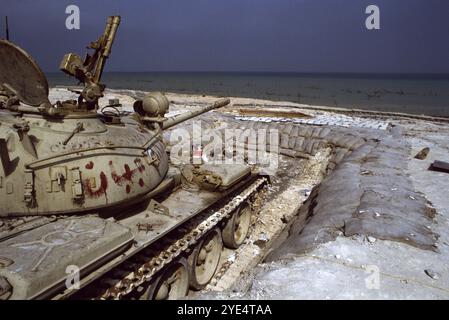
{"x": 418, "y": 94}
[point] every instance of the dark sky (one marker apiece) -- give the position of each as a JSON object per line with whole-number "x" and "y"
{"x": 242, "y": 35}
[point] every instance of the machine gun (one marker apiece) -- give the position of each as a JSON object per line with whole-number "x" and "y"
{"x": 90, "y": 70}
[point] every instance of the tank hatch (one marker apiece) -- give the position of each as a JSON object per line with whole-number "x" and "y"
{"x": 21, "y": 77}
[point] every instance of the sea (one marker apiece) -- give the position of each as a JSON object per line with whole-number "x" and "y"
{"x": 416, "y": 94}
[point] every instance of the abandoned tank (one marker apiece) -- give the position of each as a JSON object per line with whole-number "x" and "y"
{"x": 91, "y": 206}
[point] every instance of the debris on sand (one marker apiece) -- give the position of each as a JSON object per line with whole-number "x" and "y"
{"x": 434, "y": 275}
{"x": 422, "y": 154}
{"x": 440, "y": 166}
{"x": 262, "y": 240}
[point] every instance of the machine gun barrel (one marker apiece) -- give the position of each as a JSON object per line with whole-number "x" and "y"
{"x": 170, "y": 122}
{"x": 108, "y": 39}
{"x": 6, "y": 28}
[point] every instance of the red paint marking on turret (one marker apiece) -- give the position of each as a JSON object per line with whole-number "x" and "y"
{"x": 128, "y": 188}
{"x": 100, "y": 191}
{"x": 90, "y": 165}
{"x": 128, "y": 173}
{"x": 126, "y": 176}
{"x": 141, "y": 183}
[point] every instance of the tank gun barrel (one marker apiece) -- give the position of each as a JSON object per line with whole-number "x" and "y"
{"x": 170, "y": 122}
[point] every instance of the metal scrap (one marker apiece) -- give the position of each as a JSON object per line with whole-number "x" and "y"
{"x": 440, "y": 166}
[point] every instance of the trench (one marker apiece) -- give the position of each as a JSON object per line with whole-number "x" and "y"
{"x": 332, "y": 181}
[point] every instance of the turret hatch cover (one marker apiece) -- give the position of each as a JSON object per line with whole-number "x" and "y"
{"x": 21, "y": 73}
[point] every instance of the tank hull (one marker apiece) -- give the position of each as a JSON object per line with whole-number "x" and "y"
{"x": 40, "y": 259}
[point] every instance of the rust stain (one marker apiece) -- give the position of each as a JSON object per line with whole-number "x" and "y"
{"x": 100, "y": 191}
{"x": 90, "y": 165}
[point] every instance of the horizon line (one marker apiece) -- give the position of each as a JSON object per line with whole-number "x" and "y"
{"x": 279, "y": 72}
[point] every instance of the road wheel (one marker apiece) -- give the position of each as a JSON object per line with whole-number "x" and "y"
{"x": 171, "y": 284}
{"x": 204, "y": 259}
{"x": 236, "y": 228}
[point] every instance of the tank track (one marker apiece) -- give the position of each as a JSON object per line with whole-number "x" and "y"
{"x": 132, "y": 275}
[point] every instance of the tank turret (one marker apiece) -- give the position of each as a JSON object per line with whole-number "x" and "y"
{"x": 69, "y": 157}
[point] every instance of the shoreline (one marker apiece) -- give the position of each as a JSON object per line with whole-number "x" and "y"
{"x": 429, "y": 96}
{"x": 237, "y": 101}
